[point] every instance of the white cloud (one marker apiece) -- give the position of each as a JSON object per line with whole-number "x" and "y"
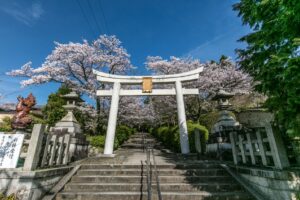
{"x": 222, "y": 44}
{"x": 28, "y": 15}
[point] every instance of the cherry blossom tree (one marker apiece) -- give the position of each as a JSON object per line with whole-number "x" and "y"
{"x": 73, "y": 63}
{"x": 136, "y": 112}
{"x": 222, "y": 75}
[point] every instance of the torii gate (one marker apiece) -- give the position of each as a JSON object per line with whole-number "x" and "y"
{"x": 146, "y": 82}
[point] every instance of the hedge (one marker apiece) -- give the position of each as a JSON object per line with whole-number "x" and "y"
{"x": 122, "y": 134}
{"x": 170, "y": 137}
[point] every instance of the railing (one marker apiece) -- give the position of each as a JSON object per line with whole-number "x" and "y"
{"x": 46, "y": 149}
{"x": 259, "y": 146}
{"x": 143, "y": 141}
{"x": 149, "y": 151}
{"x": 149, "y": 184}
{"x": 56, "y": 149}
{"x": 157, "y": 178}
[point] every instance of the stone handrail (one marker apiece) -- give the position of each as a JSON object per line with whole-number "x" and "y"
{"x": 259, "y": 146}
{"x": 47, "y": 149}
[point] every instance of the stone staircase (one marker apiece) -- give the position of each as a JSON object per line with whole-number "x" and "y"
{"x": 125, "y": 177}
{"x": 136, "y": 141}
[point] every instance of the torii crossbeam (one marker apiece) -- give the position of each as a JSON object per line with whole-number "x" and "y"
{"x": 116, "y": 92}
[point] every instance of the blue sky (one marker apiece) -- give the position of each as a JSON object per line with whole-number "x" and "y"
{"x": 204, "y": 29}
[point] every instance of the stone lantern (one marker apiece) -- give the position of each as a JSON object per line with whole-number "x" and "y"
{"x": 78, "y": 145}
{"x": 226, "y": 123}
{"x": 69, "y": 121}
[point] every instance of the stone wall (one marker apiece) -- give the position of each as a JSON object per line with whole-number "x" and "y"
{"x": 271, "y": 183}
{"x": 30, "y": 185}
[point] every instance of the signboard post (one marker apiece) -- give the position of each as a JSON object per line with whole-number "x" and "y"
{"x": 10, "y": 148}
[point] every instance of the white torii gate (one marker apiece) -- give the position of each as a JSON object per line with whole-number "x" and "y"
{"x": 116, "y": 92}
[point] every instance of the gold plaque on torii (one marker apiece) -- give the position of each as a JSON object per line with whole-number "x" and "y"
{"x": 147, "y": 84}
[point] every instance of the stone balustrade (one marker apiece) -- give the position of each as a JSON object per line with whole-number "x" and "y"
{"x": 259, "y": 146}
{"x": 46, "y": 149}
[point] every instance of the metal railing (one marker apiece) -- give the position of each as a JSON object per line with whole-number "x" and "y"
{"x": 148, "y": 162}
{"x": 143, "y": 141}
{"x": 156, "y": 174}
{"x": 149, "y": 151}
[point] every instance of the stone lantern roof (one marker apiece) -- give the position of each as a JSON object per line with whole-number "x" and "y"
{"x": 72, "y": 99}
{"x": 72, "y": 96}
{"x": 222, "y": 98}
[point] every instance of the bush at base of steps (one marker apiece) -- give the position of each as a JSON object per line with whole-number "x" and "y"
{"x": 170, "y": 137}
{"x": 122, "y": 134}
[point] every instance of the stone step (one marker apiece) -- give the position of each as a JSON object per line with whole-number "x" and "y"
{"x": 163, "y": 179}
{"x": 140, "y": 143}
{"x": 161, "y": 172}
{"x": 140, "y": 137}
{"x": 140, "y": 140}
{"x": 199, "y": 165}
{"x": 165, "y": 187}
{"x": 143, "y": 196}
{"x": 132, "y": 145}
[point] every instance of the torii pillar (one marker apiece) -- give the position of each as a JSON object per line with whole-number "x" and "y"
{"x": 112, "y": 120}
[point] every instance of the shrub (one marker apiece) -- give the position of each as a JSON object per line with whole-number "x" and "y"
{"x": 35, "y": 120}
{"x": 170, "y": 136}
{"x": 5, "y": 125}
{"x": 97, "y": 141}
{"x": 9, "y": 197}
{"x": 204, "y": 134}
{"x": 122, "y": 134}
{"x": 209, "y": 119}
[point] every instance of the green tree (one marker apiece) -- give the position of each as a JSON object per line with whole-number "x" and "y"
{"x": 54, "y": 110}
{"x": 272, "y": 55}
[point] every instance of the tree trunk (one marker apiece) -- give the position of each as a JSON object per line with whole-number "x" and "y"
{"x": 99, "y": 127}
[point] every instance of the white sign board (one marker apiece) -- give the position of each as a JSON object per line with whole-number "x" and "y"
{"x": 10, "y": 148}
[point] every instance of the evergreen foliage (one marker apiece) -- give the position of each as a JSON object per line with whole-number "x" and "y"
{"x": 170, "y": 137}
{"x": 122, "y": 134}
{"x": 54, "y": 110}
{"x": 97, "y": 141}
{"x": 272, "y": 56}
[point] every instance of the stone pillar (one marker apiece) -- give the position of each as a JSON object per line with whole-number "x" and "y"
{"x": 184, "y": 139}
{"x": 277, "y": 148}
{"x": 34, "y": 149}
{"x": 112, "y": 120}
{"x": 233, "y": 145}
{"x": 197, "y": 141}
